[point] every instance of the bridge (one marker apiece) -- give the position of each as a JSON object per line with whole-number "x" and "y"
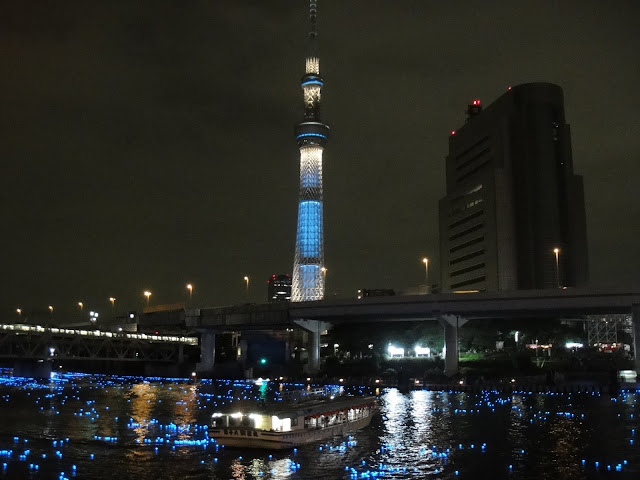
{"x": 32, "y": 348}
{"x": 451, "y": 310}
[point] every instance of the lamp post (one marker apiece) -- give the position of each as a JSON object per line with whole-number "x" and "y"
{"x": 80, "y": 306}
{"x": 425, "y": 260}
{"x": 51, "y": 312}
{"x": 147, "y": 294}
{"x": 19, "y": 312}
{"x": 557, "y": 252}
{"x": 113, "y": 310}
{"x": 246, "y": 279}
{"x": 190, "y": 288}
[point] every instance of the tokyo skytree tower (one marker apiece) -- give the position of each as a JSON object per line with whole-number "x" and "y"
{"x": 311, "y": 134}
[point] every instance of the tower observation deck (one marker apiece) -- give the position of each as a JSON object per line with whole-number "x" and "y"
{"x": 311, "y": 135}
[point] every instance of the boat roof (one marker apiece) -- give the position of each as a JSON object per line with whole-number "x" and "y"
{"x": 308, "y": 408}
{"x": 331, "y": 406}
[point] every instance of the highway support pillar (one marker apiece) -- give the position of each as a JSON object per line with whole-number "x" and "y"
{"x": 315, "y": 329}
{"x": 207, "y": 353}
{"x": 451, "y": 323}
{"x": 635, "y": 321}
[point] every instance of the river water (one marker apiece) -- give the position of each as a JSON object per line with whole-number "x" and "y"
{"x": 102, "y": 427}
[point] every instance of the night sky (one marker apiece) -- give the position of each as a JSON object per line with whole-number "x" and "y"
{"x": 146, "y": 144}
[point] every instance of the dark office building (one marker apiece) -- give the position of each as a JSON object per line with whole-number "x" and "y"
{"x": 512, "y": 197}
{"x": 279, "y": 288}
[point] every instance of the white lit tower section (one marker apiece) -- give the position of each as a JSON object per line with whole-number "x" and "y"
{"x": 311, "y": 134}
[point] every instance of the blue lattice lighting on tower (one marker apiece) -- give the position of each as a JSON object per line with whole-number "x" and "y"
{"x": 311, "y": 134}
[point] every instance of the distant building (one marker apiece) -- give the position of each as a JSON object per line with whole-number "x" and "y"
{"x": 513, "y": 216}
{"x": 279, "y": 288}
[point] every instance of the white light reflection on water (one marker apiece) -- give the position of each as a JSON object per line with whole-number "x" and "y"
{"x": 405, "y": 446}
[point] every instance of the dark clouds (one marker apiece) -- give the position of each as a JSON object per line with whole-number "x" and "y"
{"x": 147, "y": 144}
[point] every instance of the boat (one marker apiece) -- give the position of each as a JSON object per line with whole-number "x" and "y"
{"x": 285, "y": 426}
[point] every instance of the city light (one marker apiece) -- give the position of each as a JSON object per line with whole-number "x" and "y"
{"x": 395, "y": 351}
{"x": 147, "y": 294}
{"x": 422, "y": 351}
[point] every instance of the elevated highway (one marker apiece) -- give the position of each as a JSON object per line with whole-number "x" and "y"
{"x": 451, "y": 310}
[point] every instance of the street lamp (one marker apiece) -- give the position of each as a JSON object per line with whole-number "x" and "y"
{"x": 113, "y": 313}
{"x": 19, "y": 312}
{"x": 190, "y": 288}
{"x": 425, "y": 260}
{"x": 147, "y": 294}
{"x": 246, "y": 279}
{"x": 557, "y": 251}
{"x": 51, "y": 308}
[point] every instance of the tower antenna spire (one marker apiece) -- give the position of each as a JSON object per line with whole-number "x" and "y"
{"x": 313, "y": 11}
{"x": 313, "y": 31}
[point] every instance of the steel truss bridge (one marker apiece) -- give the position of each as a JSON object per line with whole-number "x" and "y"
{"x": 36, "y": 342}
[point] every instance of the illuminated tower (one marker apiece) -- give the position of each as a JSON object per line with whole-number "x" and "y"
{"x": 311, "y": 134}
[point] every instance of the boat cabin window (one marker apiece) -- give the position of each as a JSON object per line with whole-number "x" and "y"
{"x": 280, "y": 424}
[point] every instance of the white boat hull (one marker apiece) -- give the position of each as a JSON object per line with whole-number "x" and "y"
{"x": 250, "y": 438}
